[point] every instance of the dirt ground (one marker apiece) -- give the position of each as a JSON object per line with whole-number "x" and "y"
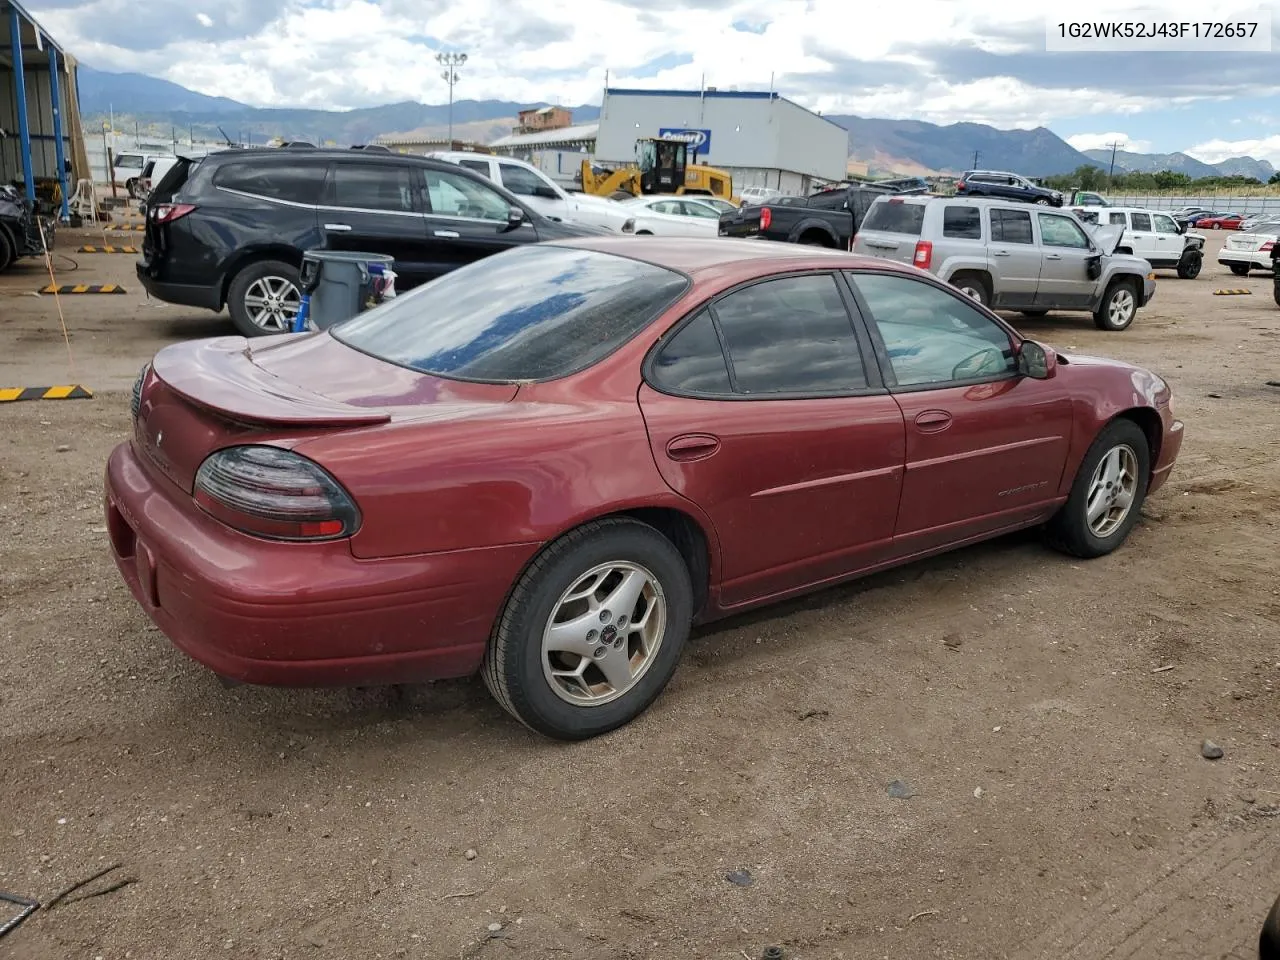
{"x": 1047, "y": 715}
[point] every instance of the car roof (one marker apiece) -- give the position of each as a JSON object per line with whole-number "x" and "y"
{"x": 285, "y": 155}
{"x": 703, "y": 256}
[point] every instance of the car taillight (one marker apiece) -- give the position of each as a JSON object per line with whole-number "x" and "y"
{"x": 959, "y": 185}
{"x": 766, "y": 218}
{"x": 924, "y": 254}
{"x": 274, "y": 493}
{"x": 169, "y": 212}
{"x": 1269, "y": 245}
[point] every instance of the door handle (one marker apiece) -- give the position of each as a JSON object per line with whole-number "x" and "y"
{"x": 338, "y": 227}
{"x": 932, "y": 421}
{"x": 1001, "y": 253}
{"x": 693, "y": 446}
{"x": 447, "y": 234}
{"x": 1053, "y": 256}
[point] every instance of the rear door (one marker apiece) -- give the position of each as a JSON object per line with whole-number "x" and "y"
{"x": 766, "y": 409}
{"x": 1142, "y": 236}
{"x": 986, "y": 448}
{"x": 1064, "y": 263}
{"x": 467, "y": 220}
{"x": 377, "y": 208}
{"x": 1014, "y": 257}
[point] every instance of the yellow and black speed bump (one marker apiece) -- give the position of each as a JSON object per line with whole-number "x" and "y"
{"x": 1232, "y": 293}
{"x": 68, "y": 289}
{"x": 128, "y": 226}
{"x": 66, "y": 392}
{"x": 106, "y": 250}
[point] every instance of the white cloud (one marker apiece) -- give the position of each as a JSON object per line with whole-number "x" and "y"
{"x": 1103, "y": 141}
{"x": 205, "y": 19}
{"x": 1215, "y": 151}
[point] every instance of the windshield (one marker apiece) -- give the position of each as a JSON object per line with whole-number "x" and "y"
{"x": 533, "y": 313}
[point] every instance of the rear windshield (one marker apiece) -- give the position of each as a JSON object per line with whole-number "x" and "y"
{"x": 173, "y": 179}
{"x": 533, "y": 313}
{"x": 892, "y": 216}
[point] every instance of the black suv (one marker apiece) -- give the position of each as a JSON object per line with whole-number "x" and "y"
{"x": 1005, "y": 186}
{"x": 229, "y": 229}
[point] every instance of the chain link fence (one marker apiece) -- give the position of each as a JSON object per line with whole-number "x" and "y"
{"x": 1258, "y": 204}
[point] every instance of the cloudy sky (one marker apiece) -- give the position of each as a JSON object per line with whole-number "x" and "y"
{"x": 937, "y": 60}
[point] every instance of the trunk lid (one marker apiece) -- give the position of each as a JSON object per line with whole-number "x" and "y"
{"x": 204, "y": 395}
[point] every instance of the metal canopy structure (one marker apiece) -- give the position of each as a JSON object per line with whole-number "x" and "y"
{"x": 39, "y": 106}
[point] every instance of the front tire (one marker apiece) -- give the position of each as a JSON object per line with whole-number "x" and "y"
{"x": 1107, "y": 496}
{"x": 7, "y": 256}
{"x": 592, "y": 631}
{"x": 1239, "y": 269}
{"x": 264, "y": 298}
{"x": 1118, "y": 308}
{"x": 1189, "y": 267}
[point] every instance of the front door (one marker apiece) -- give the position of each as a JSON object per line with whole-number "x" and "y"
{"x": 468, "y": 220}
{"x": 376, "y": 208}
{"x": 766, "y": 410}
{"x": 1169, "y": 241}
{"x": 985, "y": 447}
{"x": 1064, "y": 264}
{"x": 1014, "y": 258}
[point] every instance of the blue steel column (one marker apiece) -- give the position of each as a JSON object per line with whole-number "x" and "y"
{"x": 20, "y": 86}
{"x": 55, "y": 94}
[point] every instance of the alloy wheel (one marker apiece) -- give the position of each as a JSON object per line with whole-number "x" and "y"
{"x": 604, "y": 633}
{"x": 1120, "y": 310}
{"x": 1112, "y": 491}
{"x": 272, "y": 303}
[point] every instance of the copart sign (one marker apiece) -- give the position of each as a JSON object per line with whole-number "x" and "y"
{"x": 699, "y": 140}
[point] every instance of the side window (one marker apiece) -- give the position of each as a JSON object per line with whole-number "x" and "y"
{"x": 963, "y": 223}
{"x": 1164, "y": 224}
{"x": 478, "y": 166}
{"x": 372, "y": 186}
{"x": 518, "y": 180}
{"x": 830, "y": 200}
{"x": 933, "y": 337}
{"x": 1117, "y": 219}
{"x": 452, "y": 195}
{"x": 1141, "y": 221}
{"x": 1010, "y": 226}
{"x": 692, "y": 362}
{"x": 666, "y": 206}
{"x": 1058, "y": 231}
{"x": 690, "y": 209}
{"x": 1088, "y": 216}
{"x": 292, "y": 182}
{"x": 790, "y": 335}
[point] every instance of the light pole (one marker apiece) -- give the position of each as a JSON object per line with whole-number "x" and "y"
{"x": 450, "y": 62}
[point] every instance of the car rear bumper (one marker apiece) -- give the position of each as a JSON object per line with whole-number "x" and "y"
{"x": 298, "y": 614}
{"x": 1255, "y": 259}
{"x": 206, "y": 297}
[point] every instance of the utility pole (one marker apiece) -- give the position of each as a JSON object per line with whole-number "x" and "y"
{"x": 1112, "y": 172}
{"x": 450, "y": 62}
{"x": 976, "y": 155}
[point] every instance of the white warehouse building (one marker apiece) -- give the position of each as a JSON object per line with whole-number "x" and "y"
{"x": 762, "y": 139}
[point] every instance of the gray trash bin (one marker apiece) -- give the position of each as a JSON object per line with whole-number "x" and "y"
{"x": 338, "y": 284}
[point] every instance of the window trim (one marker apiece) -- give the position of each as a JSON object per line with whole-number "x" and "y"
{"x": 882, "y": 351}
{"x": 875, "y": 387}
{"x": 1032, "y": 223}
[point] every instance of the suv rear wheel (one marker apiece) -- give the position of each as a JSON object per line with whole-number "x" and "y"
{"x": 264, "y": 298}
{"x": 974, "y": 286}
{"x": 1240, "y": 269}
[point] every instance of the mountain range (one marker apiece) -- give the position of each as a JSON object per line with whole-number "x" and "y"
{"x": 889, "y": 146}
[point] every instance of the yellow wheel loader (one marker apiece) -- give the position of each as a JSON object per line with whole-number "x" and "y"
{"x": 662, "y": 166}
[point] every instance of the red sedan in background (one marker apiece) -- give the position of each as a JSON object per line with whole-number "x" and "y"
{"x": 1229, "y": 221}
{"x": 546, "y": 465}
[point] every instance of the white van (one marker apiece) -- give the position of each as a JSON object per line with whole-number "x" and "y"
{"x": 129, "y": 168}
{"x": 539, "y": 191}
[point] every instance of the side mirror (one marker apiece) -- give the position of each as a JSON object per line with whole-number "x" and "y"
{"x": 1036, "y": 361}
{"x": 515, "y": 217}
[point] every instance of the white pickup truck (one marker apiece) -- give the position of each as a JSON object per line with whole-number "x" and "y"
{"x": 1152, "y": 235}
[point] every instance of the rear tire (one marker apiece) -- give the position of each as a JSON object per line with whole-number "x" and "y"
{"x": 1118, "y": 308}
{"x": 1240, "y": 269}
{"x": 1112, "y": 479}
{"x": 7, "y": 255}
{"x": 814, "y": 240}
{"x": 644, "y": 233}
{"x": 533, "y": 661}
{"x": 974, "y": 286}
{"x": 1042, "y": 202}
{"x": 272, "y": 281}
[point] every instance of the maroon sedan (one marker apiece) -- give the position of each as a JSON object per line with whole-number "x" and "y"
{"x": 546, "y": 465}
